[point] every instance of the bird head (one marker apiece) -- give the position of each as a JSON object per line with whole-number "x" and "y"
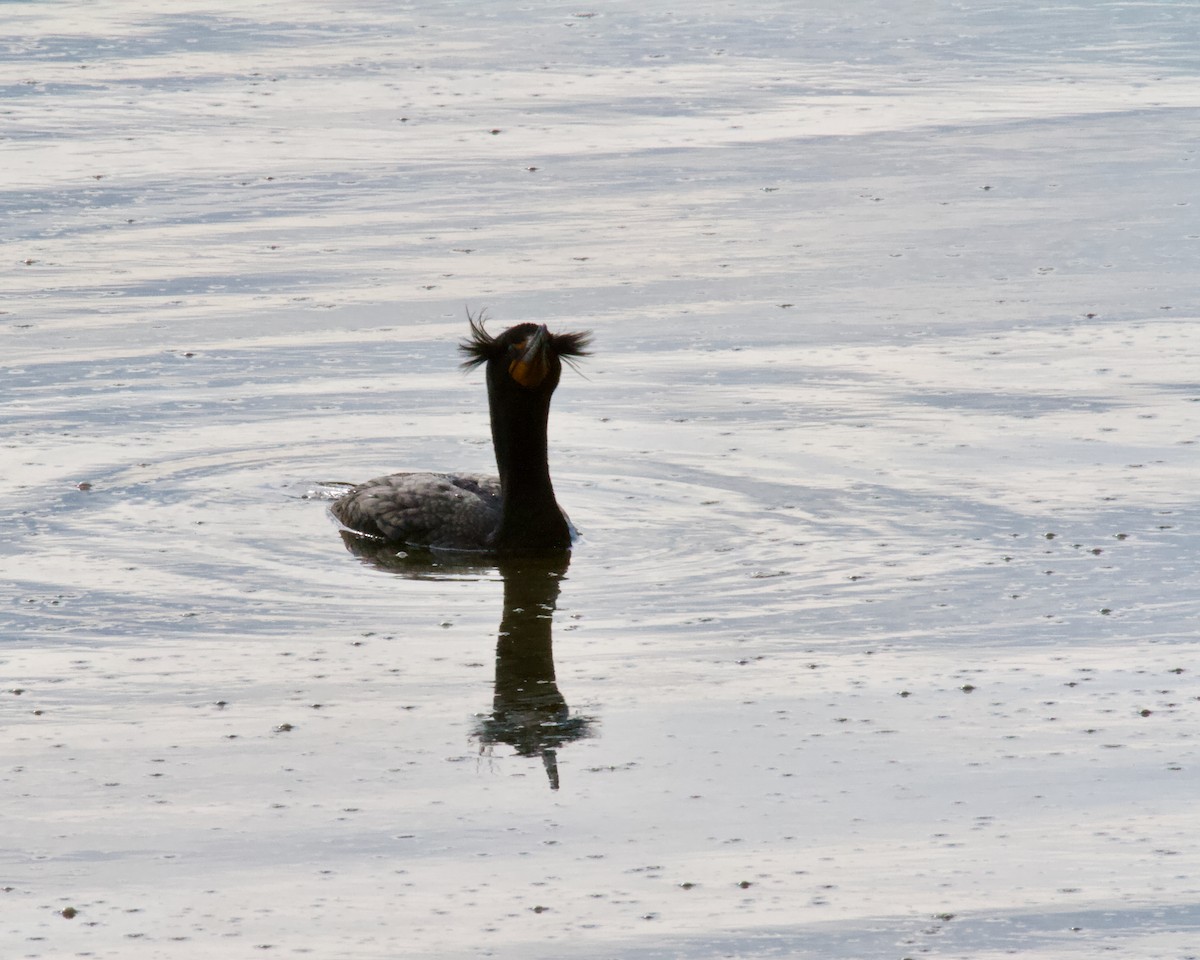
{"x": 526, "y": 358}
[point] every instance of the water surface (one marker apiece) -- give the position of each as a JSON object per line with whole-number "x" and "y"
{"x": 880, "y": 640}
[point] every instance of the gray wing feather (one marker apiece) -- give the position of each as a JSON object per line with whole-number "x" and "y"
{"x": 447, "y": 511}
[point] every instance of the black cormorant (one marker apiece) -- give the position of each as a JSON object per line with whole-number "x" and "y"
{"x": 512, "y": 514}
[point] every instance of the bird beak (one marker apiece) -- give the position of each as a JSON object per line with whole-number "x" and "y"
{"x": 532, "y": 366}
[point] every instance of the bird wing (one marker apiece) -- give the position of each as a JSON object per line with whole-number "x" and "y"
{"x": 447, "y": 511}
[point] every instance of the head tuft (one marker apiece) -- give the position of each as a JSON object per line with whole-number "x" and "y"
{"x": 481, "y": 346}
{"x": 570, "y": 345}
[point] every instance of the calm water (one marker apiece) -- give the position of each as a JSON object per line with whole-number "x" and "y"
{"x": 881, "y": 638}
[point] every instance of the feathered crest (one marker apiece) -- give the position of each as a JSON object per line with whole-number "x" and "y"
{"x": 572, "y": 346}
{"x": 481, "y": 346}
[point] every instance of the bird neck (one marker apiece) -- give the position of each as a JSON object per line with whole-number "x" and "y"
{"x": 530, "y": 517}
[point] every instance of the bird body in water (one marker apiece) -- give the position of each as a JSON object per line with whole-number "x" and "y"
{"x": 513, "y": 513}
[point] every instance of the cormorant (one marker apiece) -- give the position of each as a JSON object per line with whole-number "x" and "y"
{"x": 512, "y": 514}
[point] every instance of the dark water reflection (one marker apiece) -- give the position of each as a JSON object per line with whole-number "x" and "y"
{"x": 529, "y": 712}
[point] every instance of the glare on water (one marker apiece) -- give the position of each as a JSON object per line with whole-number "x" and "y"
{"x": 879, "y": 640}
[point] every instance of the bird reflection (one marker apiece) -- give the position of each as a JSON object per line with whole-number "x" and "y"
{"x": 529, "y": 712}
